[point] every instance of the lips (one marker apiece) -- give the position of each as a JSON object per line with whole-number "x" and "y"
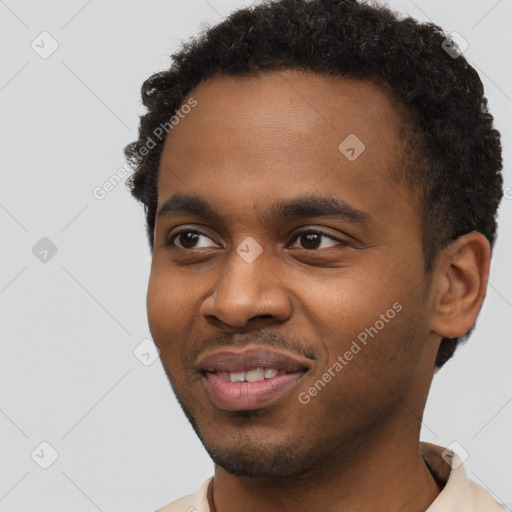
{"x": 244, "y": 360}
{"x": 251, "y": 378}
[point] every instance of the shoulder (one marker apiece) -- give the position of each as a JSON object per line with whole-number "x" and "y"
{"x": 483, "y": 499}
{"x": 459, "y": 492}
{"x": 184, "y": 504}
{"x": 197, "y": 502}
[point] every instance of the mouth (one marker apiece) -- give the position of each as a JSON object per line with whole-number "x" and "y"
{"x": 249, "y": 379}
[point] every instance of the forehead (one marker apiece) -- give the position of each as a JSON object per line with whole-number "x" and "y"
{"x": 286, "y": 103}
{"x": 285, "y": 133}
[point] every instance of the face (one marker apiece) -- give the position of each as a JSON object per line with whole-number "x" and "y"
{"x": 287, "y": 292}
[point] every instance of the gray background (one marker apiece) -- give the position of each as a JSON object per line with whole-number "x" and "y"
{"x": 70, "y": 323}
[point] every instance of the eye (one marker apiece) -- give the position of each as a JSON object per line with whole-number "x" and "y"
{"x": 312, "y": 240}
{"x": 188, "y": 239}
{"x": 309, "y": 239}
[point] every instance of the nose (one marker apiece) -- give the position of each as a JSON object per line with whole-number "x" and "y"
{"x": 246, "y": 292}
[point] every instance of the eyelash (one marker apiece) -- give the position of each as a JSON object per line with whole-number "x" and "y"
{"x": 170, "y": 242}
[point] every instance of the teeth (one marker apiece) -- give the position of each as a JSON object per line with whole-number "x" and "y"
{"x": 252, "y": 375}
{"x": 270, "y": 372}
{"x": 237, "y": 377}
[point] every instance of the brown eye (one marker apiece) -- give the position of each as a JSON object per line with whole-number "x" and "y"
{"x": 310, "y": 240}
{"x": 188, "y": 239}
{"x": 313, "y": 240}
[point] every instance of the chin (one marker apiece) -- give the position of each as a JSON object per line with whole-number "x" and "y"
{"x": 248, "y": 457}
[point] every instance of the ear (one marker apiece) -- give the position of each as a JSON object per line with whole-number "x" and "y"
{"x": 460, "y": 282}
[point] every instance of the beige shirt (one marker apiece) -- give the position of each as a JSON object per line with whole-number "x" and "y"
{"x": 458, "y": 495}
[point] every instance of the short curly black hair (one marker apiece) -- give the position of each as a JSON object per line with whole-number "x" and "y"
{"x": 457, "y": 152}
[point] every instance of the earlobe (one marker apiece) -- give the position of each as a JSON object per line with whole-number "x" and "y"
{"x": 460, "y": 284}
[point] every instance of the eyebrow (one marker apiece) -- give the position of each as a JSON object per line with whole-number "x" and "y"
{"x": 295, "y": 208}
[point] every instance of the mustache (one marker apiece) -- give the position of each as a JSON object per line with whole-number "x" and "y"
{"x": 260, "y": 337}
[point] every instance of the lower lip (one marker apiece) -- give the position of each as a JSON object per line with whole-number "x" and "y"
{"x": 245, "y": 396}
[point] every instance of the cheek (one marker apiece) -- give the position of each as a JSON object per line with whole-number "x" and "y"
{"x": 367, "y": 315}
{"x": 166, "y": 303}
{"x": 171, "y": 323}
{"x": 349, "y": 299}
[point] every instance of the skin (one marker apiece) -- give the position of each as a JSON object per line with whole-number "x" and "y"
{"x": 249, "y": 143}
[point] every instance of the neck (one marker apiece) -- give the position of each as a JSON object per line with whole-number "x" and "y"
{"x": 389, "y": 475}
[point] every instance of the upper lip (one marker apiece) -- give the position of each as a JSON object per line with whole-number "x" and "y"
{"x": 242, "y": 360}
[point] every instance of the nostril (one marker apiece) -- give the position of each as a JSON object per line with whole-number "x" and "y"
{"x": 262, "y": 317}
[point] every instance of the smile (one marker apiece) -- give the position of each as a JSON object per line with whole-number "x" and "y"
{"x": 249, "y": 379}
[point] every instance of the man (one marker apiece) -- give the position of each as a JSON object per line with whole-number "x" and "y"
{"x": 320, "y": 180}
